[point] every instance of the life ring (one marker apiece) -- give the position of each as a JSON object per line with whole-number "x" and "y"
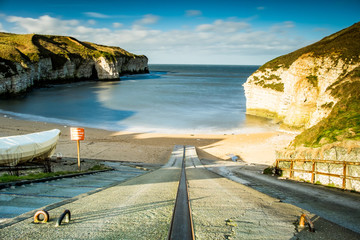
{"x": 67, "y": 215}
{"x": 44, "y": 214}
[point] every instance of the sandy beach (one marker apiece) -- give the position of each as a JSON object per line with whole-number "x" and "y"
{"x": 155, "y": 148}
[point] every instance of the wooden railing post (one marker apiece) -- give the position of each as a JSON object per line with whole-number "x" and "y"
{"x": 344, "y": 176}
{"x": 313, "y": 172}
{"x": 291, "y": 168}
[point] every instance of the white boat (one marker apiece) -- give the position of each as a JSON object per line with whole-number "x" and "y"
{"x": 25, "y": 148}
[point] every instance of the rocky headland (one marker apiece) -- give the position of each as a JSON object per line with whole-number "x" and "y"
{"x": 27, "y": 60}
{"x": 307, "y": 88}
{"x": 315, "y": 90}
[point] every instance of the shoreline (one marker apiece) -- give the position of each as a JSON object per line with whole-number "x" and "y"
{"x": 155, "y": 148}
{"x": 252, "y": 124}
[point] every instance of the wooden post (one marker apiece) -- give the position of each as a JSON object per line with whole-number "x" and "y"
{"x": 291, "y": 169}
{"x": 77, "y": 134}
{"x": 313, "y": 172}
{"x": 78, "y": 150}
{"x": 344, "y": 176}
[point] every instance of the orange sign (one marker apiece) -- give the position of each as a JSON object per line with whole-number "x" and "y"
{"x": 77, "y": 134}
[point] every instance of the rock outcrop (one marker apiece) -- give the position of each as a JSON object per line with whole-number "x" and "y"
{"x": 300, "y": 88}
{"x": 32, "y": 59}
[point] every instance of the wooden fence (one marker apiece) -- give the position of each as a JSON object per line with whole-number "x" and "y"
{"x": 314, "y": 172}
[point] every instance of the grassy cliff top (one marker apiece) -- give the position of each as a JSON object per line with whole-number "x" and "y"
{"x": 343, "y": 123}
{"x": 23, "y": 48}
{"x": 344, "y": 44}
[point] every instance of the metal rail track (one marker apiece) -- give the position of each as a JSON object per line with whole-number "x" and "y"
{"x": 181, "y": 227}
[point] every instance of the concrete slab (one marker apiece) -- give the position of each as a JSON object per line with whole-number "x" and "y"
{"x": 17, "y": 200}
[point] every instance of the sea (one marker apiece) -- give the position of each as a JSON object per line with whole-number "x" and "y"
{"x": 176, "y": 99}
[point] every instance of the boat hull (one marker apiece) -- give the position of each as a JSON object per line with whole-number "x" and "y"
{"x": 24, "y": 148}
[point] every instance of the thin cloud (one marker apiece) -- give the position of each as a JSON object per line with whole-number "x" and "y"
{"x": 223, "y": 26}
{"x": 96, "y": 15}
{"x": 282, "y": 27}
{"x": 289, "y": 24}
{"x": 193, "y": 13}
{"x": 91, "y": 22}
{"x": 44, "y": 24}
{"x": 117, "y": 25}
{"x": 260, "y": 8}
{"x": 148, "y": 19}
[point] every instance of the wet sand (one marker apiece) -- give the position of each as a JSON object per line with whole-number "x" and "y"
{"x": 155, "y": 148}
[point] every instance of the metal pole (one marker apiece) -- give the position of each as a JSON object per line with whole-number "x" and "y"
{"x": 78, "y": 150}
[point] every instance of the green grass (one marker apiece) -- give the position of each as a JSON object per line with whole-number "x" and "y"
{"x": 271, "y": 77}
{"x": 33, "y": 176}
{"x": 269, "y": 170}
{"x": 98, "y": 167}
{"x": 342, "y": 123}
{"x": 264, "y": 113}
{"x": 328, "y": 105}
{"x": 277, "y": 86}
{"x": 25, "y": 48}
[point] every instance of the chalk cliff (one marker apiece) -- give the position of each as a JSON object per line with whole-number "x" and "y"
{"x": 32, "y": 59}
{"x": 302, "y": 88}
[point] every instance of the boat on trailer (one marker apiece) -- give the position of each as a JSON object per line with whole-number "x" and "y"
{"x": 25, "y": 148}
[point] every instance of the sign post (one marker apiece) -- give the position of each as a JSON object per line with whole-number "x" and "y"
{"x": 77, "y": 134}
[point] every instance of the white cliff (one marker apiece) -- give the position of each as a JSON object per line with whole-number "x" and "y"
{"x": 301, "y": 88}
{"x": 101, "y": 69}
{"x": 61, "y": 59}
{"x": 305, "y": 97}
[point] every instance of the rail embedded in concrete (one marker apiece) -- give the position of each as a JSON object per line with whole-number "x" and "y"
{"x": 181, "y": 227}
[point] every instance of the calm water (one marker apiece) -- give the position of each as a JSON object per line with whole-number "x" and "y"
{"x": 172, "y": 98}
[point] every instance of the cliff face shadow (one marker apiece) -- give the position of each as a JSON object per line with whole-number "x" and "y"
{"x": 57, "y": 60}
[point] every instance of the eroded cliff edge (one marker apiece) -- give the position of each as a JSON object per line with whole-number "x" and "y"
{"x": 32, "y": 59}
{"x": 312, "y": 88}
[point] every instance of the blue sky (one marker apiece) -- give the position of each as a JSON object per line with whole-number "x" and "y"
{"x": 186, "y": 32}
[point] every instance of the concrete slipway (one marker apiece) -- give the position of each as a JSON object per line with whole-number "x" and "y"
{"x": 141, "y": 208}
{"x": 17, "y": 200}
